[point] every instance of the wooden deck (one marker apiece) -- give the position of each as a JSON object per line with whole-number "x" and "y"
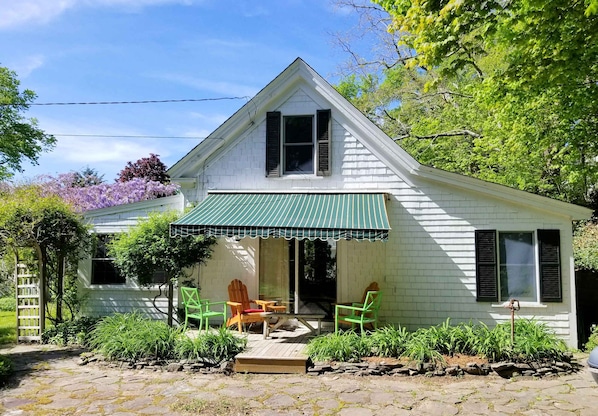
{"x": 282, "y": 352}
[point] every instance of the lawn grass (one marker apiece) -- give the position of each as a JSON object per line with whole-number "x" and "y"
{"x": 8, "y": 328}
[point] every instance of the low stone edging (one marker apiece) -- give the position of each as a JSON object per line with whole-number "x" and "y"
{"x": 502, "y": 369}
{"x": 191, "y": 366}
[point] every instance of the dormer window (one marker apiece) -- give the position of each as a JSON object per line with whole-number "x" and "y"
{"x": 294, "y": 146}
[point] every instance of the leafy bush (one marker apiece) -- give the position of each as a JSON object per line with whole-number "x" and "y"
{"x": 210, "y": 347}
{"x": 75, "y": 332}
{"x": 592, "y": 340}
{"x": 389, "y": 341}
{"x": 533, "y": 341}
{"x": 493, "y": 344}
{"x": 132, "y": 336}
{"x": 6, "y": 368}
{"x": 421, "y": 346}
{"x": 8, "y": 304}
{"x": 346, "y": 346}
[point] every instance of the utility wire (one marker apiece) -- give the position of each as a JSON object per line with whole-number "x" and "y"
{"x": 126, "y": 136}
{"x": 130, "y": 102}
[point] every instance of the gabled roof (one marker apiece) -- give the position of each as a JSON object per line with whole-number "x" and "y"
{"x": 378, "y": 142}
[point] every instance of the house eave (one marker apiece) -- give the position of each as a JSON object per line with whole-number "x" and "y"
{"x": 519, "y": 197}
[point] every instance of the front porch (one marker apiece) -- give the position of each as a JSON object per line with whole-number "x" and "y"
{"x": 282, "y": 352}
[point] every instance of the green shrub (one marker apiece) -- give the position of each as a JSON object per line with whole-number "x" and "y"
{"x": 6, "y": 368}
{"x": 389, "y": 341}
{"x": 212, "y": 347}
{"x": 535, "y": 341}
{"x": 421, "y": 346}
{"x": 592, "y": 340}
{"x": 75, "y": 332}
{"x": 492, "y": 344}
{"x": 346, "y": 346}
{"x": 8, "y": 304}
{"x": 132, "y": 336}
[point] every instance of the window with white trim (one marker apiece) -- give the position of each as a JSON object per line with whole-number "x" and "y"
{"x": 517, "y": 266}
{"x": 514, "y": 265}
{"x": 298, "y": 144}
{"x": 103, "y": 271}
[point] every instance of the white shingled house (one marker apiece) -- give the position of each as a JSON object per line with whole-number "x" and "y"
{"x": 311, "y": 202}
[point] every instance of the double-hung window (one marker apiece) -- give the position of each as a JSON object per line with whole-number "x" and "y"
{"x": 103, "y": 271}
{"x": 518, "y": 265}
{"x": 298, "y": 144}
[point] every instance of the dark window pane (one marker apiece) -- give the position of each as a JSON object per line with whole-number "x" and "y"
{"x": 299, "y": 159}
{"x": 103, "y": 272}
{"x": 159, "y": 277}
{"x": 298, "y": 129}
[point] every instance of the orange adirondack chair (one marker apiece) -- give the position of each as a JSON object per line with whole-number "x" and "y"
{"x": 240, "y": 306}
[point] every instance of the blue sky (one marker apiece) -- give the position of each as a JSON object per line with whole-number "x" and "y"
{"x": 132, "y": 50}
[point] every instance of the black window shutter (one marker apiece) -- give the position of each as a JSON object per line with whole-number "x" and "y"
{"x": 323, "y": 139}
{"x": 550, "y": 266}
{"x": 273, "y": 143}
{"x": 486, "y": 266}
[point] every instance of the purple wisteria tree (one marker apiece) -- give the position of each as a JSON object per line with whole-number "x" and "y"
{"x": 103, "y": 195}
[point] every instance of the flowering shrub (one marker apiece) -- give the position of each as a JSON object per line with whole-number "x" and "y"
{"x": 103, "y": 195}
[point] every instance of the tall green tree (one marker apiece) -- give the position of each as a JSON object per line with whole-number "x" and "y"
{"x": 148, "y": 248}
{"x": 20, "y": 138}
{"x": 502, "y": 91}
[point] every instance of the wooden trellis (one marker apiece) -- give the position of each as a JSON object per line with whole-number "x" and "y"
{"x": 30, "y": 310}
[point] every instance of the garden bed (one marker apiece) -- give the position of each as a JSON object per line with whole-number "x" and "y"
{"x": 458, "y": 365}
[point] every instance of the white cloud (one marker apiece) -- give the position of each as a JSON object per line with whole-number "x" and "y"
{"x": 17, "y": 13}
{"x": 27, "y": 65}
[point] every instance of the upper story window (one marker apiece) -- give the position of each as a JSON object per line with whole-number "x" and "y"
{"x": 298, "y": 144}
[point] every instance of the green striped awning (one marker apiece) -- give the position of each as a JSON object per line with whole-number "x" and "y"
{"x": 350, "y": 216}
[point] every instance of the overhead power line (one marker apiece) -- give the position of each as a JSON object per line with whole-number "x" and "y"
{"x": 185, "y": 100}
{"x": 125, "y": 136}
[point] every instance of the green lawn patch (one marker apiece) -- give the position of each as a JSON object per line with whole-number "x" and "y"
{"x": 8, "y": 327}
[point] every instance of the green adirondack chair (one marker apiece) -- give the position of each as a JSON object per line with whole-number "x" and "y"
{"x": 196, "y": 308}
{"x": 359, "y": 313}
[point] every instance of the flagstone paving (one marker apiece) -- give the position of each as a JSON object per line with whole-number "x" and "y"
{"x": 49, "y": 381}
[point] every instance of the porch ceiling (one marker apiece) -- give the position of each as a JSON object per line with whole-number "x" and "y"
{"x": 350, "y": 216}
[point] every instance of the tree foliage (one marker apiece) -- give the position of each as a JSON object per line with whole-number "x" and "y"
{"x": 47, "y": 224}
{"x": 148, "y": 248}
{"x": 20, "y": 138}
{"x": 150, "y": 168}
{"x": 503, "y": 91}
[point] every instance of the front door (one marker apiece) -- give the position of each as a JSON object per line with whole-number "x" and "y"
{"x": 300, "y": 274}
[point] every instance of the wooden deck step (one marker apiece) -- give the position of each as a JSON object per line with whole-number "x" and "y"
{"x": 282, "y": 353}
